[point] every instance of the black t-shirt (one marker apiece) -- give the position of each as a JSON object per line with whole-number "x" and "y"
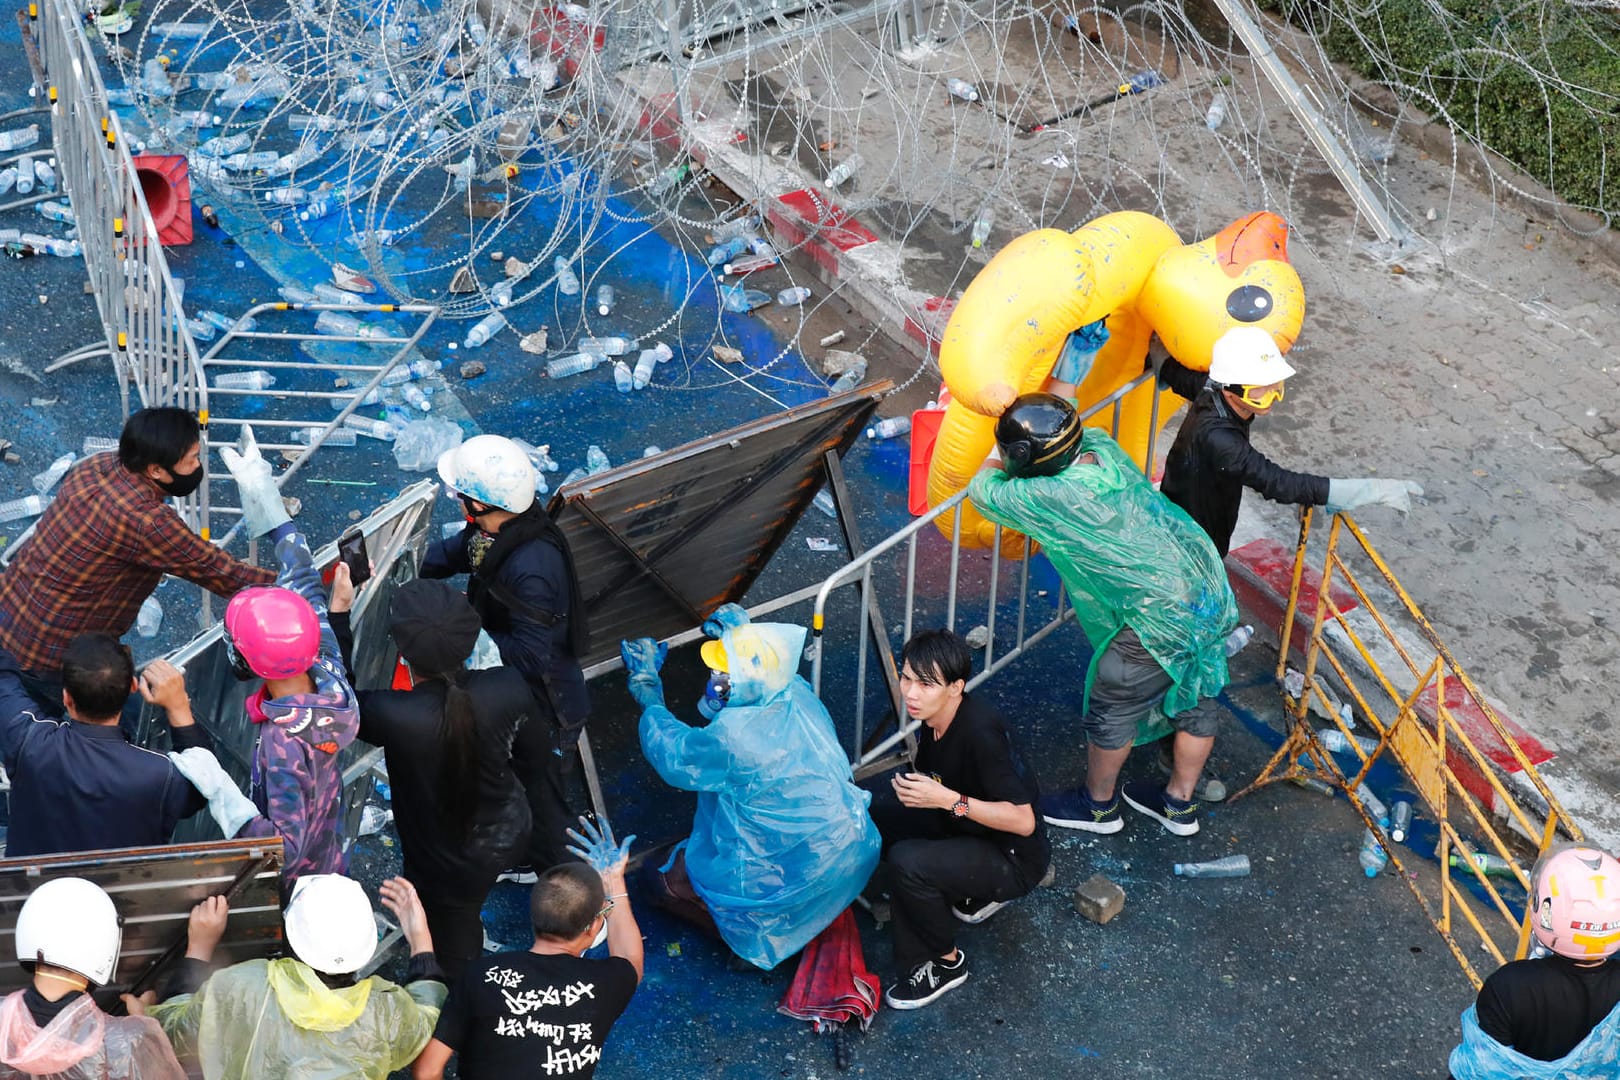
{"x": 977, "y": 757}
{"x": 523, "y": 1014}
{"x": 1544, "y": 1008}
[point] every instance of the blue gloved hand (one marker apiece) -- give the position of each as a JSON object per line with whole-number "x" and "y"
{"x": 725, "y": 617}
{"x": 642, "y": 659}
{"x": 596, "y": 845}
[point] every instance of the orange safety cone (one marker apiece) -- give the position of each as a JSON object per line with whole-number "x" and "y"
{"x": 165, "y": 181}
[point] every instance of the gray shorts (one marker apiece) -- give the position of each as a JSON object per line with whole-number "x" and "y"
{"x": 1129, "y": 684}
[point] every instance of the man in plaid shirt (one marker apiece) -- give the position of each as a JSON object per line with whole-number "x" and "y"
{"x": 105, "y": 542}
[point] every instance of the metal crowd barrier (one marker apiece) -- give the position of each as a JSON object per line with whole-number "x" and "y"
{"x": 1426, "y": 713}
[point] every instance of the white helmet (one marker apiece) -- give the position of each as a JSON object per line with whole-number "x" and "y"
{"x": 329, "y": 924}
{"x": 1247, "y": 356}
{"x": 491, "y": 469}
{"x": 70, "y": 923}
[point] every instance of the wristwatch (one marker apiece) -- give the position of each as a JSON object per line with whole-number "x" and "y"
{"x": 961, "y": 807}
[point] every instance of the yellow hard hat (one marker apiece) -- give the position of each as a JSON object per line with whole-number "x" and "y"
{"x": 714, "y": 654}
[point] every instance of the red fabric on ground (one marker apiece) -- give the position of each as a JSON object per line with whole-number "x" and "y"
{"x": 832, "y": 984}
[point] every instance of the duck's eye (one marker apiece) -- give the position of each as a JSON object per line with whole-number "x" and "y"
{"x": 1249, "y": 303}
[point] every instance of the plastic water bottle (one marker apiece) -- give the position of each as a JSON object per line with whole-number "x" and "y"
{"x": 338, "y": 324}
{"x": 890, "y": 428}
{"x": 27, "y": 506}
{"x": 723, "y": 253}
{"x": 327, "y": 293}
{"x": 245, "y": 380}
{"x": 748, "y": 264}
{"x": 200, "y": 119}
{"x": 1374, "y": 805}
{"x": 1400, "y": 821}
{"x": 793, "y": 297}
{"x": 416, "y": 369}
{"x": 200, "y": 330}
{"x": 295, "y": 295}
{"x": 1486, "y": 862}
{"x": 45, "y": 173}
{"x": 845, "y": 169}
{"x": 98, "y": 444}
{"x": 739, "y": 226}
{"x": 1216, "y": 115}
{"x": 225, "y": 322}
{"x": 415, "y": 397}
{"x": 66, "y": 249}
{"x": 962, "y": 89}
{"x": 308, "y": 122}
{"x": 370, "y": 427}
{"x": 1334, "y": 742}
{"x": 155, "y": 79}
{"x": 484, "y": 329}
{"x": 577, "y": 364}
{"x": 247, "y": 162}
{"x": 225, "y": 145}
{"x": 25, "y": 176}
{"x": 52, "y": 210}
{"x": 604, "y": 299}
{"x": 43, "y": 482}
{"x": 316, "y": 209}
{"x": 981, "y": 226}
{"x": 849, "y": 380}
{"x": 1373, "y": 857}
{"x": 1238, "y": 638}
{"x": 149, "y": 620}
{"x": 286, "y": 196}
{"x": 342, "y": 436}
{"x": 501, "y": 292}
{"x": 1230, "y": 866}
{"x": 646, "y": 362}
{"x": 341, "y": 401}
{"x": 596, "y": 460}
{"x": 19, "y": 138}
{"x": 741, "y": 300}
{"x": 623, "y": 379}
{"x": 605, "y": 346}
{"x": 8, "y": 178}
{"x": 567, "y": 280}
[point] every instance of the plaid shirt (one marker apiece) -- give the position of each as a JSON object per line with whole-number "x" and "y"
{"x": 100, "y": 549}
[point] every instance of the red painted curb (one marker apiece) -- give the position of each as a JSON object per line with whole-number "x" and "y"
{"x": 1261, "y": 573}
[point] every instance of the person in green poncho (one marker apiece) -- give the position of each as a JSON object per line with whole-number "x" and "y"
{"x": 1148, "y": 589}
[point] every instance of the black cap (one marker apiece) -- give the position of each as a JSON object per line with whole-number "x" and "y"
{"x": 433, "y": 625}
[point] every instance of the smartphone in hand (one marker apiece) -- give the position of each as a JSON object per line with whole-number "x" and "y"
{"x": 352, "y": 553}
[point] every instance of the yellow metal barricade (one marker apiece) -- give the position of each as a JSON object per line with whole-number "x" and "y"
{"x": 1479, "y": 812}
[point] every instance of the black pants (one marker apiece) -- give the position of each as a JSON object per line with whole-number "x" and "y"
{"x": 930, "y": 869}
{"x": 458, "y": 932}
{"x": 544, "y": 772}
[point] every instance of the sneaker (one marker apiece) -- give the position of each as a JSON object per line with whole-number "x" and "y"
{"x": 974, "y": 912}
{"x": 518, "y": 875}
{"x": 1178, "y": 817}
{"x": 927, "y": 981}
{"x": 1210, "y": 788}
{"x": 1077, "y": 810}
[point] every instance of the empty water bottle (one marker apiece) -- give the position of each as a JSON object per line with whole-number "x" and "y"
{"x": 373, "y": 428}
{"x": 739, "y": 226}
{"x": 149, "y": 620}
{"x": 567, "y": 280}
{"x": 45, "y": 174}
{"x": 961, "y": 88}
{"x": 723, "y": 253}
{"x": 500, "y": 294}
{"x": 98, "y": 444}
{"x": 1494, "y": 865}
{"x": 1230, "y": 866}
{"x": 604, "y": 299}
{"x": 327, "y": 293}
{"x": 1238, "y": 638}
{"x": 200, "y": 330}
{"x": 1400, "y": 820}
{"x": 155, "y": 78}
{"x": 749, "y": 264}
{"x": 852, "y": 377}
{"x": 316, "y": 209}
{"x": 245, "y": 380}
{"x": 645, "y": 363}
{"x": 307, "y": 122}
{"x": 416, "y": 369}
{"x": 338, "y": 324}
{"x": 25, "y": 176}
{"x": 247, "y": 162}
{"x": 1217, "y": 112}
{"x": 670, "y": 177}
{"x": 742, "y": 300}
{"x": 415, "y": 397}
{"x": 846, "y": 169}
{"x": 484, "y": 329}
{"x": 824, "y": 502}
{"x": 225, "y": 322}
{"x": 52, "y": 210}
{"x": 18, "y": 138}
{"x": 342, "y": 436}
{"x": 27, "y": 506}
{"x": 8, "y": 178}
{"x": 1372, "y": 856}
{"x": 1334, "y": 742}
{"x": 981, "y": 226}
{"x": 793, "y": 297}
{"x": 623, "y": 379}
{"x": 1372, "y": 804}
{"x": 605, "y": 346}
{"x": 224, "y": 145}
{"x": 44, "y": 481}
{"x": 1311, "y": 783}
{"x": 66, "y": 249}
{"x": 577, "y": 364}
{"x": 194, "y": 118}
{"x": 295, "y": 295}
{"x": 596, "y": 460}
{"x": 888, "y": 429}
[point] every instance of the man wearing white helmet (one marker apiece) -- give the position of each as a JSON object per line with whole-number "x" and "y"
{"x": 522, "y": 582}
{"x": 68, "y": 936}
{"x": 309, "y": 1016}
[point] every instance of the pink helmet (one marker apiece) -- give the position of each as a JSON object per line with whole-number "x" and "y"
{"x": 1575, "y": 903}
{"x": 272, "y": 631}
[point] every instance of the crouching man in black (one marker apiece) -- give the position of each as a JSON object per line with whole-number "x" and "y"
{"x": 965, "y": 838}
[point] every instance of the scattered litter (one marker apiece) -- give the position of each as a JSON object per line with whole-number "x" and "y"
{"x": 535, "y": 342}
{"x": 150, "y": 618}
{"x": 1431, "y": 214}
{"x": 832, "y": 339}
{"x": 472, "y": 369}
{"x": 351, "y": 280}
{"x": 820, "y": 543}
{"x": 727, "y": 355}
{"x": 421, "y": 442}
{"x": 373, "y": 818}
{"x": 1058, "y": 160}
{"x": 978, "y": 637}
{"x": 463, "y": 281}
{"x": 1229, "y": 867}
{"x": 41, "y": 402}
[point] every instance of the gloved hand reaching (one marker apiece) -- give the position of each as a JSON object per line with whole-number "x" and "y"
{"x": 643, "y": 658}
{"x": 725, "y": 617}
{"x": 262, "y": 508}
{"x": 230, "y": 808}
{"x": 1350, "y": 494}
{"x": 596, "y": 845}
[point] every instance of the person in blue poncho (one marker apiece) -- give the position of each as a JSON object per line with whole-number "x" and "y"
{"x": 781, "y": 842}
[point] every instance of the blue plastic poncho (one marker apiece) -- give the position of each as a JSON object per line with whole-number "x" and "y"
{"x": 1128, "y": 556}
{"x": 782, "y": 841}
{"x": 1481, "y": 1057}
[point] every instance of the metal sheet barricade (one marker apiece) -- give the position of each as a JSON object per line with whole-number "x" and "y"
{"x": 1419, "y": 707}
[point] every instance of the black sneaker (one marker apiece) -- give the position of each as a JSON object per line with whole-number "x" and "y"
{"x": 518, "y": 875}
{"x": 1210, "y": 788}
{"x": 927, "y": 981}
{"x": 1076, "y": 810}
{"x": 974, "y": 912}
{"x": 1178, "y": 817}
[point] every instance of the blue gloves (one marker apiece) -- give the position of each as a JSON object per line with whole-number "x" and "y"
{"x": 642, "y": 659}
{"x": 725, "y": 617}
{"x": 596, "y": 845}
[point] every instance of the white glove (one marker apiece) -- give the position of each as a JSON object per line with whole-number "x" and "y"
{"x": 230, "y": 808}
{"x": 262, "y": 508}
{"x": 1350, "y": 494}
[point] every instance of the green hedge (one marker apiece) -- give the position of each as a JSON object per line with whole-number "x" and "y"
{"x": 1537, "y": 82}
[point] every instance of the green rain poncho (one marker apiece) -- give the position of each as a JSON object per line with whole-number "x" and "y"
{"x": 1128, "y": 557}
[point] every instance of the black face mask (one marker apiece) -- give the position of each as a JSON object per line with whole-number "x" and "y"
{"x": 182, "y": 484}
{"x": 473, "y": 514}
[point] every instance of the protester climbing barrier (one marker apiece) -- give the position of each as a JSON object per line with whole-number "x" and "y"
{"x": 1473, "y": 775}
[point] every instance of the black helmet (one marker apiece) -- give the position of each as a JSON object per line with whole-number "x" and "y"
{"x": 1039, "y": 435}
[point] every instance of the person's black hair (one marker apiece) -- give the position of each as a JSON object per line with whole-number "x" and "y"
{"x": 96, "y": 672}
{"x": 940, "y": 657}
{"x": 565, "y": 901}
{"x": 158, "y": 437}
